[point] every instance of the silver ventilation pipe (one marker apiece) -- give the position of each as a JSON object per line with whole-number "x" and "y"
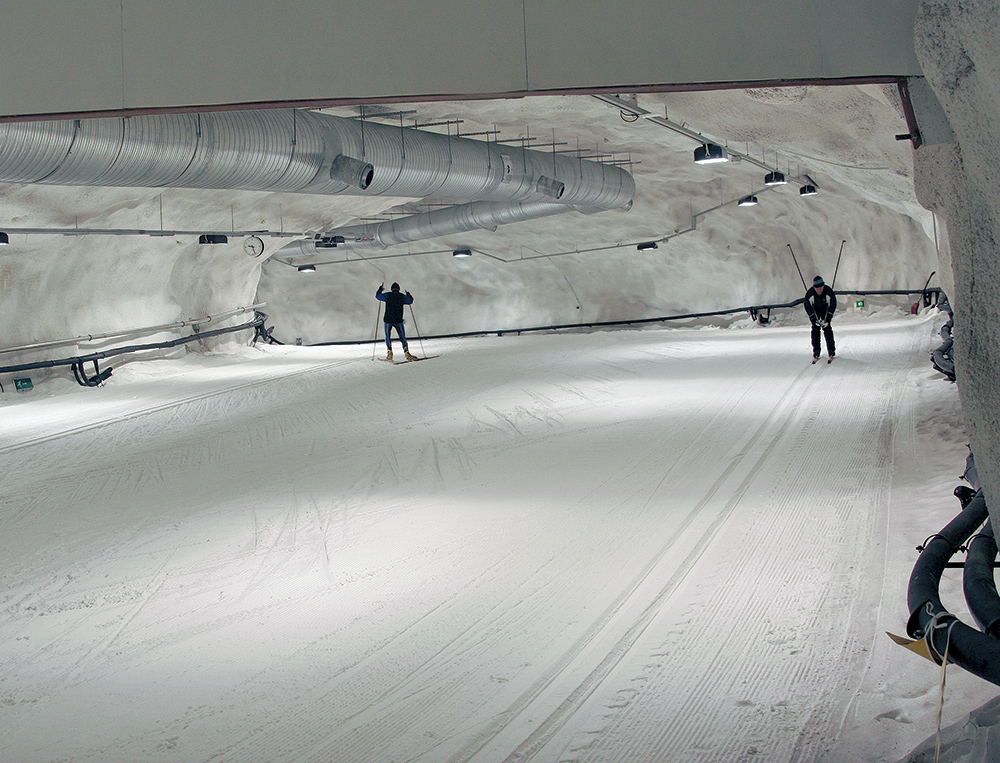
{"x": 476, "y": 215}
{"x": 295, "y": 151}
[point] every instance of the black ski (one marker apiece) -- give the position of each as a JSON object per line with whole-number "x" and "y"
{"x": 411, "y": 360}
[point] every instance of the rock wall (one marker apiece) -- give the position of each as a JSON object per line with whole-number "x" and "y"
{"x": 956, "y": 43}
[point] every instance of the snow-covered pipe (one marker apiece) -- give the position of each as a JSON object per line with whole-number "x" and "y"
{"x": 303, "y": 152}
{"x": 476, "y": 215}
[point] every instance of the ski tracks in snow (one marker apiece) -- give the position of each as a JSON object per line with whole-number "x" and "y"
{"x": 629, "y": 553}
{"x": 625, "y": 621}
{"x": 730, "y": 668}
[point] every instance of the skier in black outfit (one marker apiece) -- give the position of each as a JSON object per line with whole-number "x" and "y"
{"x": 394, "y": 302}
{"x": 821, "y": 304}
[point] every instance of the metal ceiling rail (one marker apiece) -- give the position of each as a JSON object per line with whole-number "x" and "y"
{"x": 625, "y": 106}
{"x": 146, "y": 232}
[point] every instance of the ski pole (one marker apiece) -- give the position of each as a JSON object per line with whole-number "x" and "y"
{"x": 419, "y": 338}
{"x": 837, "y": 269}
{"x": 797, "y": 267}
{"x": 378, "y": 314}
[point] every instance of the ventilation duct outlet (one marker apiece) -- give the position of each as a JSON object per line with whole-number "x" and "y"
{"x": 554, "y": 189}
{"x": 352, "y": 172}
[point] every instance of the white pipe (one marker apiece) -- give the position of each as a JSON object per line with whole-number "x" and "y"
{"x": 131, "y": 332}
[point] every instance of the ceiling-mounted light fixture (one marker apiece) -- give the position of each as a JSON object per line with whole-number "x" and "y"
{"x": 647, "y": 245}
{"x": 307, "y": 268}
{"x": 3, "y": 238}
{"x": 462, "y": 253}
{"x": 213, "y": 238}
{"x": 710, "y": 153}
{"x": 775, "y": 178}
{"x": 748, "y": 201}
{"x": 808, "y": 190}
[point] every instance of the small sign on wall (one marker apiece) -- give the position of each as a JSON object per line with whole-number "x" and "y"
{"x": 22, "y": 385}
{"x": 860, "y": 304}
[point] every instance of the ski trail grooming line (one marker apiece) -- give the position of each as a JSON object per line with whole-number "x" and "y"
{"x": 525, "y": 751}
{"x": 884, "y": 523}
{"x": 631, "y": 722}
{"x": 417, "y": 680}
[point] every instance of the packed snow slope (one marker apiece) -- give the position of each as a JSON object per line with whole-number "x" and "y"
{"x": 672, "y": 544}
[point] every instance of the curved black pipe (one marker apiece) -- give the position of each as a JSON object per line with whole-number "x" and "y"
{"x": 968, "y": 648}
{"x": 96, "y": 380}
{"x": 979, "y": 584}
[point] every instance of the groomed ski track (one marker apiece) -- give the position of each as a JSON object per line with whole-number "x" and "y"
{"x": 641, "y": 546}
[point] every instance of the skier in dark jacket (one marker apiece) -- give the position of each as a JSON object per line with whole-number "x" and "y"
{"x": 821, "y": 304}
{"x": 394, "y": 302}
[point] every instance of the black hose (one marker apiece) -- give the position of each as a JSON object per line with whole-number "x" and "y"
{"x": 629, "y": 322}
{"x": 929, "y": 620}
{"x": 979, "y": 584}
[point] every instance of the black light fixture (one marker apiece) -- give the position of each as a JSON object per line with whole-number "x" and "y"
{"x": 748, "y": 201}
{"x": 808, "y": 190}
{"x": 647, "y": 245}
{"x": 307, "y": 268}
{"x": 775, "y": 178}
{"x": 213, "y": 238}
{"x": 710, "y": 153}
{"x": 462, "y": 253}
{"x": 3, "y": 238}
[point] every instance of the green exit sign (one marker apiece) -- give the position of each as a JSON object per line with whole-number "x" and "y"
{"x": 22, "y": 384}
{"x": 859, "y": 304}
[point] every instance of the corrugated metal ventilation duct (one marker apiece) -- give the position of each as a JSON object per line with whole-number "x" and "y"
{"x": 307, "y": 152}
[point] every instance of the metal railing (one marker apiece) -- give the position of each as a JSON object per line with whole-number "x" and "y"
{"x": 131, "y": 332}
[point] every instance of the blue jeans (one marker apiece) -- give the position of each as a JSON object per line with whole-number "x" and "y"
{"x": 399, "y": 332}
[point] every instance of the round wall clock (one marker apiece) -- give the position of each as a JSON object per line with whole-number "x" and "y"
{"x": 254, "y": 246}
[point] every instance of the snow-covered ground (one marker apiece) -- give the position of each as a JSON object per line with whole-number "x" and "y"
{"x": 662, "y": 545}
